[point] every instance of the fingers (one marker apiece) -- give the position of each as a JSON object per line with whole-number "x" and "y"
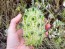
{"x": 20, "y": 34}
{"x": 31, "y": 47}
{"x": 14, "y": 22}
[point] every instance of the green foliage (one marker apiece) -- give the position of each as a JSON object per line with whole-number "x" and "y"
{"x": 57, "y": 33}
{"x": 63, "y": 13}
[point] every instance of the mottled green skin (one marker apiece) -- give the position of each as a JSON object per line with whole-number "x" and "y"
{"x": 33, "y": 26}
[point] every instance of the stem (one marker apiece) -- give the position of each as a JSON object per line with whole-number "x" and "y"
{"x": 42, "y": 2}
{"x": 32, "y": 2}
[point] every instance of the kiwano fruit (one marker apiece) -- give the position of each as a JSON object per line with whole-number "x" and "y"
{"x": 33, "y": 26}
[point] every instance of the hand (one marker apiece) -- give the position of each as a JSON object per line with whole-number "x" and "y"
{"x": 14, "y": 38}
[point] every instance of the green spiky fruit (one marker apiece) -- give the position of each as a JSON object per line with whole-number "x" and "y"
{"x": 33, "y": 26}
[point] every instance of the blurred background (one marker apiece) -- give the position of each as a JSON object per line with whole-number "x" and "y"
{"x": 54, "y": 13}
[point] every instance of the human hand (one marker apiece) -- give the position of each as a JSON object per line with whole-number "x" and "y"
{"x": 14, "y": 39}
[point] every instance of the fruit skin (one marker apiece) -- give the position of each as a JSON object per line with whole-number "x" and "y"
{"x": 33, "y": 26}
{"x": 46, "y": 33}
{"x": 47, "y": 26}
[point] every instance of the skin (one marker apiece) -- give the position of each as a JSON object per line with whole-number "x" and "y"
{"x": 14, "y": 36}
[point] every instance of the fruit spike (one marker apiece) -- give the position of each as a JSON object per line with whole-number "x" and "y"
{"x": 33, "y": 26}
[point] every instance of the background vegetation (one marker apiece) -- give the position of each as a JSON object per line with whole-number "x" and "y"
{"x": 53, "y": 10}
